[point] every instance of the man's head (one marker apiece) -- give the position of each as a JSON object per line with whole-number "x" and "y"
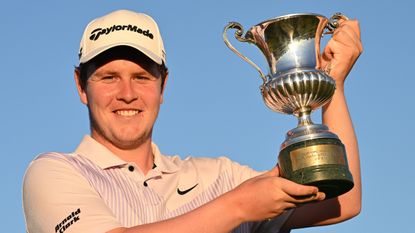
{"x": 122, "y": 28}
{"x": 121, "y": 76}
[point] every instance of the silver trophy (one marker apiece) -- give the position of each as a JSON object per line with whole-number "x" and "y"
{"x": 296, "y": 84}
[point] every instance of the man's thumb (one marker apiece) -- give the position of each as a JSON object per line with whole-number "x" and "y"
{"x": 275, "y": 171}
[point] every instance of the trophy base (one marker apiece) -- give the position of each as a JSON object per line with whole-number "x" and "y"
{"x": 318, "y": 162}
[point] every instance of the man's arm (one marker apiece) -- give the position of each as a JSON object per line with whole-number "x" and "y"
{"x": 242, "y": 204}
{"x": 57, "y": 198}
{"x": 339, "y": 57}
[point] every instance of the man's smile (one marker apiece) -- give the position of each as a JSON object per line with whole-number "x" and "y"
{"x": 127, "y": 113}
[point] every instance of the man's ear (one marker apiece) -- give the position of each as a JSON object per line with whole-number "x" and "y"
{"x": 163, "y": 87}
{"x": 81, "y": 91}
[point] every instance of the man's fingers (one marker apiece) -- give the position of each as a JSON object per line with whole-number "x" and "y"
{"x": 294, "y": 189}
{"x": 348, "y": 36}
{"x": 319, "y": 196}
{"x": 354, "y": 24}
{"x": 340, "y": 41}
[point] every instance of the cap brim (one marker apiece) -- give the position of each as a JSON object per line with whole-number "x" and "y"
{"x": 94, "y": 53}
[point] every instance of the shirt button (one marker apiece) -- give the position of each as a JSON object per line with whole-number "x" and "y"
{"x": 131, "y": 168}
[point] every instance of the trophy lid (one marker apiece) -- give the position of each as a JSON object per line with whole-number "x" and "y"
{"x": 307, "y": 132}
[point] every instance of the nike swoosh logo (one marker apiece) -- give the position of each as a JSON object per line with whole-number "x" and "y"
{"x": 180, "y": 192}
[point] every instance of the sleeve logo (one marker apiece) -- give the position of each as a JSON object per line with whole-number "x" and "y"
{"x": 68, "y": 221}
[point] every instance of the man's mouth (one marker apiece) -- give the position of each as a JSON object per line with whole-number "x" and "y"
{"x": 127, "y": 113}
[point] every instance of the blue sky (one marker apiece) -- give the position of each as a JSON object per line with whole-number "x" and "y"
{"x": 212, "y": 106}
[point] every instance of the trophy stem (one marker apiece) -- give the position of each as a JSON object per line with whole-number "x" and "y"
{"x": 304, "y": 116}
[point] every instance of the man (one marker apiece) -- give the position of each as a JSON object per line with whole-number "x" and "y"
{"x": 117, "y": 181}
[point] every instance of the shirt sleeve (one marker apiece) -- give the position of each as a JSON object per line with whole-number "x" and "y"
{"x": 239, "y": 173}
{"x": 57, "y": 198}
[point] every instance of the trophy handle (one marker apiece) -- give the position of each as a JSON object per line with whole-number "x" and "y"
{"x": 334, "y": 22}
{"x": 238, "y": 35}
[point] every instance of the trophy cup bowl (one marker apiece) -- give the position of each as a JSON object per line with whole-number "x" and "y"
{"x": 310, "y": 154}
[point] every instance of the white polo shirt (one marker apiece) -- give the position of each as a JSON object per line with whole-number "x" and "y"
{"x": 93, "y": 190}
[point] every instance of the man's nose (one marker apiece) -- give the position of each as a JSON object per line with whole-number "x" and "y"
{"x": 126, "y": 91}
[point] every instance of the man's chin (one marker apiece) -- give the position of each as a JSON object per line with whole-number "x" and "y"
{"x": 130, "y": 143}
{"x": 123, "y": 139}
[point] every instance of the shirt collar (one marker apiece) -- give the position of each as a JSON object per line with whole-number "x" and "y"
{"x": 104, "y": 158}
{"x": 163, "y": 163}
{"x": 98, "y": 154}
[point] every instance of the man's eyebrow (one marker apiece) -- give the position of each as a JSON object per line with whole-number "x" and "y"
{"x": 105, "y": 72}
{"x": 141, "y": 72}
{"x": 111, "y": 72}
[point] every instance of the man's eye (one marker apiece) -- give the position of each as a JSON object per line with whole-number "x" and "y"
{"x": 140, "y": 77}
{"x": 108, "y": 79}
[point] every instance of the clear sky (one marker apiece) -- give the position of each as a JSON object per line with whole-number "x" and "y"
{"x": 212, "y": 106}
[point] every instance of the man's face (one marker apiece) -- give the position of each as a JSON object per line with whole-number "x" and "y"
{"x": 123, "y": 99}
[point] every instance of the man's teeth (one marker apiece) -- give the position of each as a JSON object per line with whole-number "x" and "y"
{"x": 127, "y": 112}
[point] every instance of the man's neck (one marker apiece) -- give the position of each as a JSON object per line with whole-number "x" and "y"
{"x": 142, "y": 154}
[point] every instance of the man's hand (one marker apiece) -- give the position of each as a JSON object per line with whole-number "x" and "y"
{"x": 268, "y": 195}
{"x": 342, "y": 51}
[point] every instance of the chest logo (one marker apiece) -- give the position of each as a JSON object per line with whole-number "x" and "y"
{"x": 183, "y": 192}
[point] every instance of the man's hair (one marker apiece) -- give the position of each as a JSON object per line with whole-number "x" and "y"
{"x": 120, "y": 52}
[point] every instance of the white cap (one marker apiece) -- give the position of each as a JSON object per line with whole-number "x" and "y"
{"x": 120, "y": 28}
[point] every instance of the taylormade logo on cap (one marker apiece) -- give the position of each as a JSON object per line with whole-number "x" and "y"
{"x": 96, "y": 33}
